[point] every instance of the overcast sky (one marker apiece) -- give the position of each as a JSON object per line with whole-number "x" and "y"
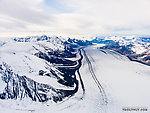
{"x": 76, "y": 16}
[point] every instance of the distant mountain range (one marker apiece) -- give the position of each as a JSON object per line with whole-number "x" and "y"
{"x": 135, "y": 48}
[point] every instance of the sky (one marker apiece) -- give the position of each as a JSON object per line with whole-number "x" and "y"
{"x": 86, "y": 17}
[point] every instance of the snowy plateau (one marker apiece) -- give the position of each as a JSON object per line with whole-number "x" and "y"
{"x": 50, "y": 74}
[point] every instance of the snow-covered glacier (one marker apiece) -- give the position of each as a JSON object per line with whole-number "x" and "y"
{"x": 51, "y": 74}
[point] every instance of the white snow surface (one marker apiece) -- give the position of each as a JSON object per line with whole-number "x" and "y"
{"x": 126, "y": 84}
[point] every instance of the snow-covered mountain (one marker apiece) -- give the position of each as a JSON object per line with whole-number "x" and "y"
{"x": 40, "y": 68}
{"x": 51, "y": 74}
{"x": 135, "y": 48}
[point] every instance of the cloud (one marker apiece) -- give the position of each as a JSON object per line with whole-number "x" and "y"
{"x": 76, "y": 16}
{"x": 22, "y": 13}
{"x": 113, "y": 14}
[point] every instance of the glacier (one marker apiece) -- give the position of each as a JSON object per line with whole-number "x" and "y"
{"x": 51, "y": 74}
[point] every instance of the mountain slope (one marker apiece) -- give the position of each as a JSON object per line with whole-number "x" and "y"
{"x": 34, "y": 68}
{"x": 135, "y": 48}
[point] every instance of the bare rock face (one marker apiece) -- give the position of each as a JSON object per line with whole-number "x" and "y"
{"x": 19, "y": 87}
